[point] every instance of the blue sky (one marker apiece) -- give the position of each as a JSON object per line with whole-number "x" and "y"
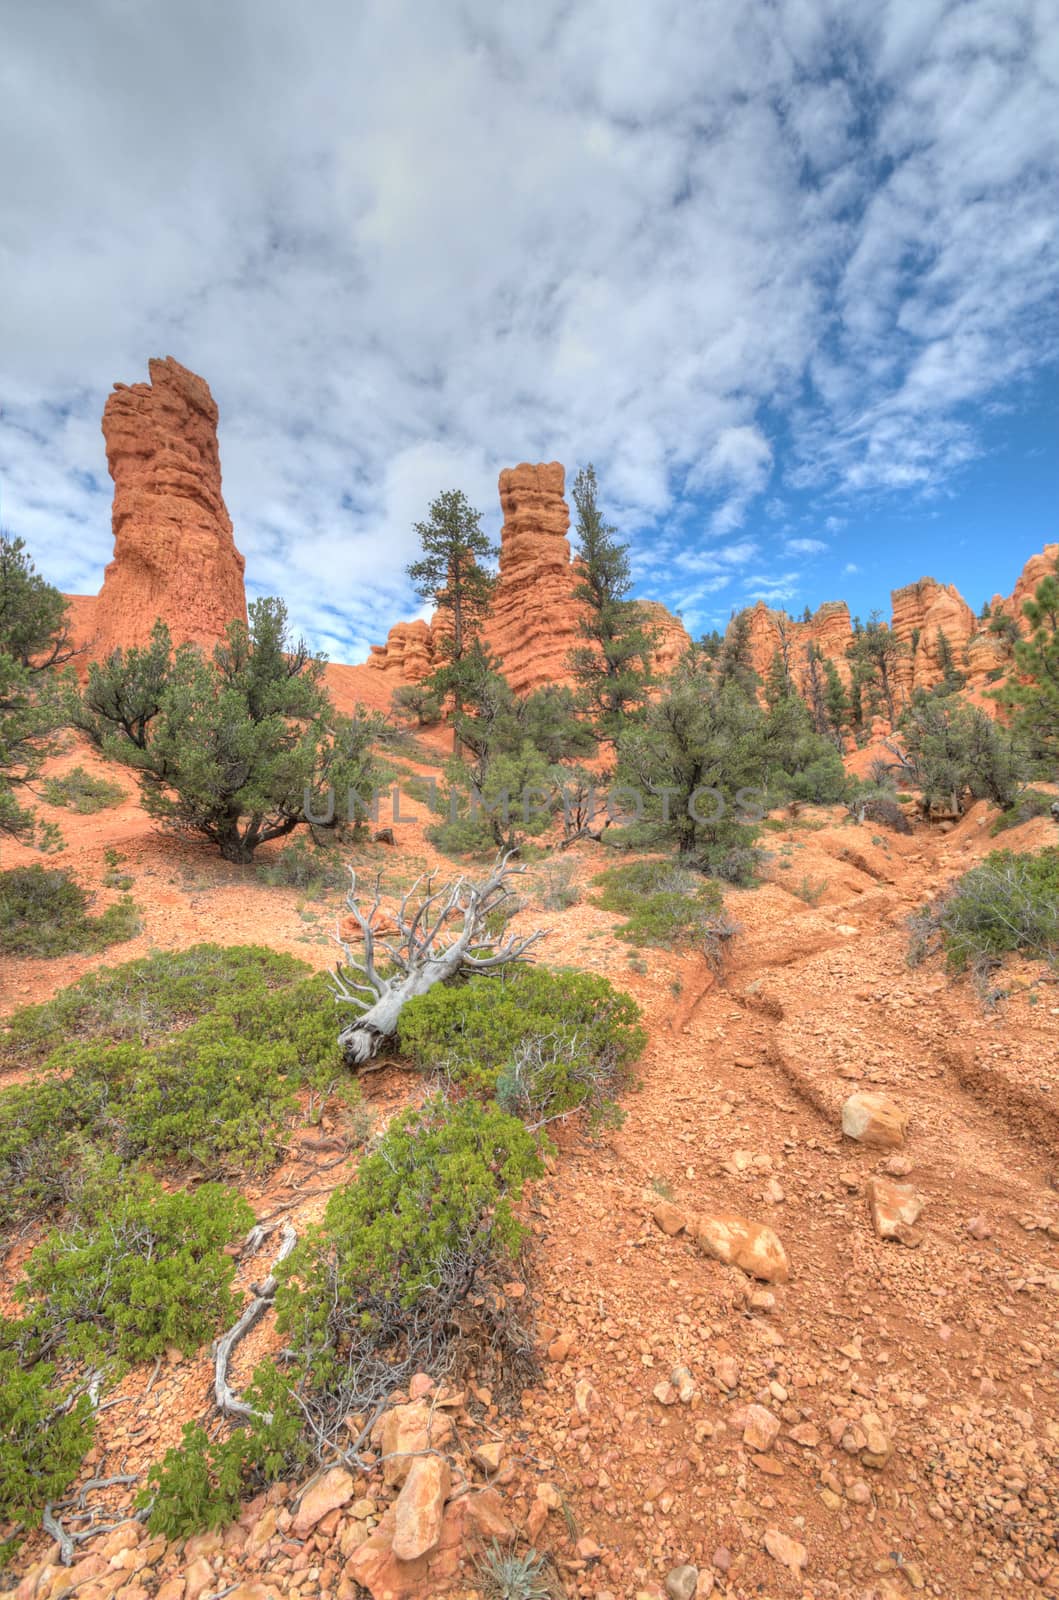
{"x": 784, "y": 271}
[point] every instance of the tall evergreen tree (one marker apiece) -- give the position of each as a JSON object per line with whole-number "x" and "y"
{"x": 952, "y": 679}
{"x": 1032, "y": 693}
{"x": 735, "y": 663}
{"x": 874, "y": 654}
{"x": 34, "y": 643}
{"x": 612, "y": 667}
{"x": 450, "y": 573}
{"x": 836, "y": 701}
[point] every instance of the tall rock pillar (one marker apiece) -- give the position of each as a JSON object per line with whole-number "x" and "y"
{"x": 174, "y": 552}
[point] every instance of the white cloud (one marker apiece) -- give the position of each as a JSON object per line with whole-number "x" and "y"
{"x": 805, "y": 547}
{"x": 726, "y": 253}
{"x": 850, "y": 568}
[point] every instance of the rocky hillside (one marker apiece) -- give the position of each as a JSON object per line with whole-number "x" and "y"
{"x": 794, "y": 1318}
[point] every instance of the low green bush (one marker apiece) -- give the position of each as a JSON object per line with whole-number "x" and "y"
{"x": 878, "y": 803}
{"x": 82, "y": 792}
{"x": 151, "y": 998}
{"x": 399, "y": 1272}
{"x": 822, "y": 782}
{"x": 43, "y": 912}
{"x": 301, "y": 866}
{"x": 439, "y": 1185}
{"x": 1009, "y": 903}
{"x": 558, "y": 889}
{"x": 137, "y": 1270}
{"x": 178, "y": 1088}
{"x": 1033, "y": 803}
{"x": 666, "y": 905}
{"x": 570, "y": 1032}
{"x": 199, "y": 1484}
{"x": 45, "y": 1432}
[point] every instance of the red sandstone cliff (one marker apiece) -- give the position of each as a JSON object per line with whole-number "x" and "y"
{"x": 830, "y": 629}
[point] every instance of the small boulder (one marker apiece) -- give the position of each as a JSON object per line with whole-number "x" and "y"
{"x": 875, "y": 1120}
{"x": 895, "y": 1209}
{"x": 761, "y": 1429}
{"x": 681, "y": 1583}
{"x": 790, "y": 1553}
{"x": 420, "y": 1506}
{"x": 332, "y": 1489}
{"x": 877, "y": 1447}
{"x": 402, "y": 1432}
{"x": 748, "y": 1245}
{"x": 669, "y": 1217}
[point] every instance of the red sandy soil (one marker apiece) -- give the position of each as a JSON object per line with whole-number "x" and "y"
{"x": 952, "y": 1345}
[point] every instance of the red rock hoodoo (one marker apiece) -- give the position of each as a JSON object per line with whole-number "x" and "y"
{"x": 533, "y": 626}
{"x": 534, "y": 622}
{"x": 408, "y": 654}
{"x": 174, "y": 553}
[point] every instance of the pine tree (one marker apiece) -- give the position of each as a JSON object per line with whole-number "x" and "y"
{"x": 874, "y": 655}
{"x": 837, "y": 702}
{"x": 613, "y": 667}
{"x": 778, "y": 684}
{"x": 227, "y": 748}
{"x": 1032, "y": 694}
{"x": 952, "y": 680}
{"x": 449, "y": 573}
{"x": 34, "y": 643}
{"x": 816, "y": 687}
{"x": 735, "y": 663}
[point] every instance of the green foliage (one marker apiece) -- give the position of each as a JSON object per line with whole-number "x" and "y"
{"x": 1031, "y": 803}
{"x": 450, "y": 575}
{"x": 952, "y": 680}
{"x": 473, "y": 1031}
{"x": 416, "y": 703}
{"x": 954, "y": 752}
{"x": 137, "y": 1270}
{"x": 695, "y": 738}
{"x": 45, "y": 1433}
{"x": 812, "y": 893}
{"x": 613, "y": 666}
{"x": 300, "y": 865}
{"x": 666, "y": 905}
{"x": 798, "y": 762}
{"x": 1032, "y": 693}
{"x": 34, "y": 645}
{"x": 82, "y": 792}
{"x": 199, "y": 1484}
{"x": 1009, "y": 903}
{"x": 734, "y": 661}
{"x": 184, "y": 1059}
{"x": 874, "y": 655}
{"x": 509, "y": 1575}
{"x": 430, "y": 1206}
{"x": 151, "y": 997}
{"x": 196, "y": 1487}
{"x": 513, "y": 795}
{"x": 227, "y": 748}
{"x": 43, "y": 913}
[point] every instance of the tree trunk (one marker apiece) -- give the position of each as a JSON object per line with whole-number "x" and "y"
{"x": 360, "y": 1040}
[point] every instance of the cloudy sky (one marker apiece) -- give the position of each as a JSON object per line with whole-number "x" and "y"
{"x": 784, "y": 270}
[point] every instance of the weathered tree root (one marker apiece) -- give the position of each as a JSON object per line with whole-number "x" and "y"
{"x": 228, "y": 1402}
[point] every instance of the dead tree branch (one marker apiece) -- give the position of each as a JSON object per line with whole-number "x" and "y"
{"x": 228, "y": 1402}
{"x": 440, "y": 932}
